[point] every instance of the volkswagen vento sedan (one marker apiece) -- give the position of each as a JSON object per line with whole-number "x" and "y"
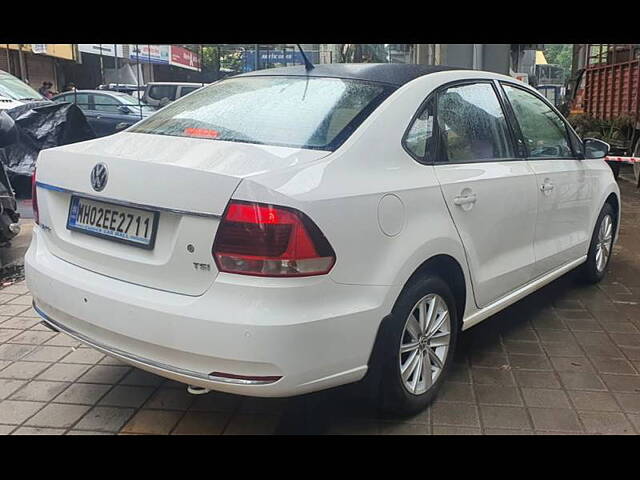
{"x": 287, "y": 231}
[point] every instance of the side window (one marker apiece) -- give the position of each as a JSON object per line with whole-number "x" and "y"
{"x": 185, "y": 90}
{"x": 106, "y": 104}
{"x": 80, "y": 99}
{"x": 158, "y": 92}
{"x": 419, "y": 138}
{"x": 472, "y": 125}
{"x": 544, "y": 132}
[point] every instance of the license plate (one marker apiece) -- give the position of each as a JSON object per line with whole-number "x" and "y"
{"x": 134, "y": 226}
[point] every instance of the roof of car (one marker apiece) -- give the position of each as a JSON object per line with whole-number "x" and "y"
{"x": 391, "y": 73}
{"x": 104, "y": 92}
{"x": 111, "y": 93}
{"x": 188, "y": 84}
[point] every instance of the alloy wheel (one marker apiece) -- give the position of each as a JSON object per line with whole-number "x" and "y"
{"x": 604, "y": 242}
{"x": 424, "y": 343}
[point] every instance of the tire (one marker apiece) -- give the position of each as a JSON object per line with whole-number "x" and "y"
{"x": 595, "y": 268}
{"x": 396, "y": 395}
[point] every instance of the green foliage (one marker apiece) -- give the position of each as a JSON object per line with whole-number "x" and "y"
{"x": 231, "y": 60}
{"x": 216, "y": 57}
{"x": 560, "y": 54}
{"x": 617, "y": 131}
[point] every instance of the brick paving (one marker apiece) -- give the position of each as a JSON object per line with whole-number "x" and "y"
{"x": 566, "y": 360}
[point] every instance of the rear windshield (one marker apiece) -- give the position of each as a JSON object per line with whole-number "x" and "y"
{"x": 303, "y": 112}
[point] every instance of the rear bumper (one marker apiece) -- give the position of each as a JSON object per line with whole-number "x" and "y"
{"x": 311, "y": 333}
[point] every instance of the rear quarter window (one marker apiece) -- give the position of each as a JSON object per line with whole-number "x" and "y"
{"x": 186, "y": 90}
{"x": 158, "y": 92}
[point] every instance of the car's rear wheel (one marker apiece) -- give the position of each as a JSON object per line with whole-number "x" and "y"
{"x": 419, "y": 345}
{"x": 594, "y": 269}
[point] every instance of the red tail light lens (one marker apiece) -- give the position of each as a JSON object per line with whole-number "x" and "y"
{"x": 270, "y": 241}
{"x": 34, "y": 198}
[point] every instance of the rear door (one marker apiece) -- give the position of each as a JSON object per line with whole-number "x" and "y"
{"x": 489, "y": 189}
{"x": 565, "y": 185}
{"x": 84, "y": 103}
{"x": 108, "y": 118}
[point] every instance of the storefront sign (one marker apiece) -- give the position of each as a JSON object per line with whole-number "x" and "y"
{"x": 270, "y": 57}
{"x": 39, "y": 47}
{"x": 181, "y": 57}
{"x": 150, "y": 53}
{"x": 105, "y": 49}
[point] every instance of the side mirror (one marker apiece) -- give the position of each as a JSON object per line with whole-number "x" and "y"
{"x": 8, "y": 130}
{"x": 594, "y": 148}
{"x": 124, "y": 109}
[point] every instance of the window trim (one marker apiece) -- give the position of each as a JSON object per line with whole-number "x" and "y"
{"x": 434, "y": 94}
{"x": 567, "y": 126}
{"x": 422, "y": 160}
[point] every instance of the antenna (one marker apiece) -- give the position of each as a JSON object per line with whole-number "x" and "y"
{"x": 307, "y": 64}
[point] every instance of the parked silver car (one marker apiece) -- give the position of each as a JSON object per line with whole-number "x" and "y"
{"x": 159, "y": 94}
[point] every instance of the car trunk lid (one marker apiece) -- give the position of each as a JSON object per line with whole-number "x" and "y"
{"x": 187, "y": 181}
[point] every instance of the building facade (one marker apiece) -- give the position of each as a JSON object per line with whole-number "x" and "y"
{"x": 500, "y": 58}
{"x": 37, "y": 63}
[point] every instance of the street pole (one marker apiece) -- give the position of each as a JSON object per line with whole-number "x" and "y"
{"x": 115, "y": 61}
{"x": 101, "y": 66}
{"x": 23, "y": 67}
{"x": 257, "y": 64}
{"x": 9, "y": 60}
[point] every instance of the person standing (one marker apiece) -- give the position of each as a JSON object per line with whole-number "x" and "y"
{"x": 45, "y": 89}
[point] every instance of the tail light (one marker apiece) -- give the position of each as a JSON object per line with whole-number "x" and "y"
{"x": 34, "y": 198}
{"x": 270, "y": 241}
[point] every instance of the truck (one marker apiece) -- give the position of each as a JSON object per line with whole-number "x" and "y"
{"x": 607, "y": 89}
{"x": 549, "y": 81}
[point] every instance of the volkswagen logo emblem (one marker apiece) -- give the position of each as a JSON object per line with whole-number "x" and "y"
{"x": 99, "y": 177}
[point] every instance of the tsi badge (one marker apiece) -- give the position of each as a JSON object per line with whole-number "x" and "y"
{"x": 206, "y": 267}
{"x": 99, "y": 177}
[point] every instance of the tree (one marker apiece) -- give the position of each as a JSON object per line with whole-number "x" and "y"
{"x": 560, "y": 54}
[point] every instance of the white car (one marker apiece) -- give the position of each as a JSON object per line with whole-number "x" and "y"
{"x": 159, "y": 94}
{"x": 14, "y": 92}
{"x": 284, "y": 231}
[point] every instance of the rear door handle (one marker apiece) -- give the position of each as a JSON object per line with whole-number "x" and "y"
{"x": 465, "y": 199}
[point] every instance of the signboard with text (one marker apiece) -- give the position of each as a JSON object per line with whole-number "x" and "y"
{"x": 150, "y": 53}
{"x": 270, "y": 57}
{"x": 181, "y": 57}
{"x": 39, "y": 47}
{"x": 105, "y": 49}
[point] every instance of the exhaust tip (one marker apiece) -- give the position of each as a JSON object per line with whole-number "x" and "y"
{"x": 14, "y": 228}
{"x": 194, "y": 390}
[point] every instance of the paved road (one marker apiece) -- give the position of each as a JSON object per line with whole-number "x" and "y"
{"x": 14, "y": 254}
{"x": 564, "y": 360}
